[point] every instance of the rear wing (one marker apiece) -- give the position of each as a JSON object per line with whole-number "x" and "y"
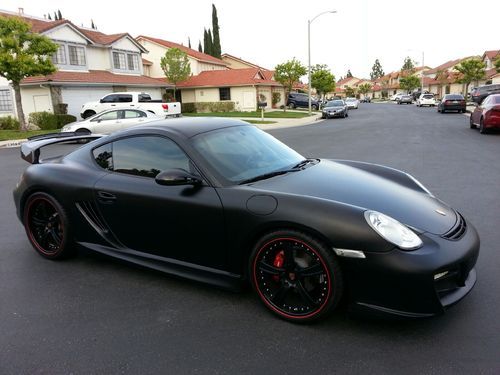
{"x": 30, "y": 150}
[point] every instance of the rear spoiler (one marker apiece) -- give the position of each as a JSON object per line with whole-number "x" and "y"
{"x": 30, "y": 150}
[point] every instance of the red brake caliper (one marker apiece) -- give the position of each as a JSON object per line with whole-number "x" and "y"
{"x": 279, "y": 259}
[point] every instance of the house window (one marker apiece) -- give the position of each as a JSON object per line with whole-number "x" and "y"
{"x": 76, "y": 55}
{"x": 126, "y": 61}
{"x": 119, "y": 60}
{"x": 5, "y": 101}
{"x": 60, "y": 56}
{"x": 224, "y": 93}
{"x": 133, "y": 63}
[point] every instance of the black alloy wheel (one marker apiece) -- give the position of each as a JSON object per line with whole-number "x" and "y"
{"x": 47, "y": 226}
{"x": 296, "y": 277}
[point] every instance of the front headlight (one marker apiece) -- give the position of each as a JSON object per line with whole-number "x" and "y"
{"x": 65, "y": 128}
{"x": 393, "y": 231}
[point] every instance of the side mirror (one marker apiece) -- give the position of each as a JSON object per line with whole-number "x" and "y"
{"x": 176, "y": 177}
{"x": 101, "y": 101}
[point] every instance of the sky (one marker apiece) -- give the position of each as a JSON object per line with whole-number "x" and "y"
{"x": 271, "y": 32}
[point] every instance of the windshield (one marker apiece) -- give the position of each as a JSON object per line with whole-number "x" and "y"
{"x": 244, "y": 152}
{"x": 335, "y": 103}
{"x": 350, "y": 100}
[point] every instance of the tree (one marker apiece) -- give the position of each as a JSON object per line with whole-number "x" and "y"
{"x": 59, "y": 15}
{"x": 497, "y": 64}
{"x": 409, "y": 83}
{"x": 288, "y": 73}
{"x": 472, "y": 70}
{"x": 55, "y": 16}
{"x": 216, "y": 40}
{"x": 349, "y": 91}
{"x": 210, "y": 42}
{"x": 189, "y": 42}
{"x": 408, "y": 65}
{"x": 349, "y": 74}
{"x": 364, "y": 88}
{"x": 322, "y": 79}
{"x": 207, "y": 42}
{"x": 49, "y": 17}
{"x": 23, "y": 54}
{"x": 200, "y": 48}
{"x": 93, "y": 25}
{"x": 175, "y": 65}
{"x": 377, "y": 70}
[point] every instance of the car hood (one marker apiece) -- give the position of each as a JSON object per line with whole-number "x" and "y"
{"x": 348, "y": 184}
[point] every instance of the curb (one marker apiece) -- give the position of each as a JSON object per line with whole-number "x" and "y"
{"x": 12, "y": 143}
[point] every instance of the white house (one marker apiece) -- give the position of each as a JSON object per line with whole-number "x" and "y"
{"x": 90, "y": 64}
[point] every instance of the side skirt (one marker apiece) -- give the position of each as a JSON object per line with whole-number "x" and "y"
{"x": 207, "y": 275}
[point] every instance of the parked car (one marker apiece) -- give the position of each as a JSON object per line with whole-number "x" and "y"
{"x": 395, "y": 97}
{"x": 112, "y": 120}
{"x": 426, "y": 99}
{"x": 478, "y": 94}
{"x": 405, "y": 99}
{"x": 486, "y": 115}
{"x": 335, "y": 108}
{"x": 303, "y": 232}
{"x": 135, "y": 100}
{"x": 452, "y": 102}
{"x": 300, "y": 100}
{"x": 366, "y": 99}
{"x": 352, "y": 103}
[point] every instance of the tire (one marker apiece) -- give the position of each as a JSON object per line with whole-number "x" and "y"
{"x": 88, "y": 113}
{"x": 292, "y": 105}
{"x": 442, "y": 111}
{"x": 295, "y": 276}
{"x": 83, "y": 131}
{"x": 47, "y": 226}
{"x": 463, "y": 110}
{"x": 482, "y": 129}
{"x": 314, "y": 107}
{"x": 471, "y": 123}
{"x": 347, "y": 114}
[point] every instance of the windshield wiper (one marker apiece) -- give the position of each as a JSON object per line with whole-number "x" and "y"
{"x": 295, "y": 168}
{"x": 304, "y": 162}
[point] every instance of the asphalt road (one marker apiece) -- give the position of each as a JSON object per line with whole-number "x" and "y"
{"x": 96, "y": 315}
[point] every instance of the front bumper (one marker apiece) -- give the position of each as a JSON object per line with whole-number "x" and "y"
{"x": 334, "y": 114}
{"x": 403, "y": 283}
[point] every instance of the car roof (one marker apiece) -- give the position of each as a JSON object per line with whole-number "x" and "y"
{"x": 190, "y": 126}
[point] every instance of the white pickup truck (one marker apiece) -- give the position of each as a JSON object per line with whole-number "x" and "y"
{"x": 134, "y": 100}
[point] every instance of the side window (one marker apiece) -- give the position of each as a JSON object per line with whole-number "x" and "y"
{"x": 113, "y": 115}
{"x": 110, "y": 98}
{"x": 104, "y": 156}
{"x": 134, "y": 114}
{"x": 125, "y": 98}
{"x": 147, "y": 156}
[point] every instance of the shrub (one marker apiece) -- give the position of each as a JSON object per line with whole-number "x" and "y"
{"x": 9, "y": 123}
{"x": 204, "y": 107}
{"x": 276, "y": 98}
{"x": 47, "y": 120}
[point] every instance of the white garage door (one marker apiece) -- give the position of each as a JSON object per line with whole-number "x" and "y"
{"x": 76, "y": 97}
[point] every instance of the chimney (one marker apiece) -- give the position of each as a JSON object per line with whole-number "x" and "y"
{"x": 21, "y": 11}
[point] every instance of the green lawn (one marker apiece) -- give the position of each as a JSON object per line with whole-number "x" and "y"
{"x": 6, "y": 135}
{"x": 256, "y": 114}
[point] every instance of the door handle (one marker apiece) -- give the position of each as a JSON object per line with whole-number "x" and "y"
{"x": 105, "y": 197}
{"x": 113, "y": 105}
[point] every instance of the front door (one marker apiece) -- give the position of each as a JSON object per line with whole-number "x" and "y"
{"x": 180, "y": 222}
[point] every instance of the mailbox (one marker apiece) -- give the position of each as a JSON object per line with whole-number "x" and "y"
{"x": 262, "y": 105}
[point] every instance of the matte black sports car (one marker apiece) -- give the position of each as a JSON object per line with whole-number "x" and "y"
{"x": 220, "y": 201}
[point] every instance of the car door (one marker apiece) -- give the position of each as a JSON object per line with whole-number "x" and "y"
{"x": 180, "y": 222}
{"x": 131, "y": 117}
{"x": 106, "y": 122}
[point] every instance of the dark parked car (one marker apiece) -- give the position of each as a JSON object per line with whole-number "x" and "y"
{"x": 478, "y": 94}
{"x": 487, "y": 114}
{"x": 299, "y": 100}
{"x": 335, "y": 108}
{"x": 452, "y": 102}
{"x": 405, "y": 99}
{"x": 220, "y": 201}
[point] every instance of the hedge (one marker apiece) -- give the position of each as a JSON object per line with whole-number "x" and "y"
{"x": 47, "y": 120}
{"x": 207, "y": 107}
{"x": 9, "y": 123}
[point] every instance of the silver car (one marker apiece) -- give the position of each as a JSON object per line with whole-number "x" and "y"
{"x": 352, "y": 103}
{"x": 111, "y": 120}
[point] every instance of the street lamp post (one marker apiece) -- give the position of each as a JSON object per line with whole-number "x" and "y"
{"x": 309, "y": 52}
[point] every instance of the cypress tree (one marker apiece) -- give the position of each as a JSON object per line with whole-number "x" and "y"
{"x": 55, "y": 16}
{"x": 189, "y": 42}
{"x": 216, "y": 48}
{"x": 59, "y": 14}
{"x": 93, "y": 26}
{"x": 205, "y": 41}
{"x": 200, "y": 48}
{"x": 210, "y": 43}
{"x": 50, "y": 18}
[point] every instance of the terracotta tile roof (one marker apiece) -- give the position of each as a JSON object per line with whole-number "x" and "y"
{"x": 447, "y": 65}
{"x": 191, "y": 52}
{"x": 491, "y": 72}
{"x": 230, "y": 77}
{"x": 146, "y": 62}
{"x": 95, "y": 77}
{"x": 227, "y": 55}
{"x": 492, "y": 54}
{"x": 347, "y": 79}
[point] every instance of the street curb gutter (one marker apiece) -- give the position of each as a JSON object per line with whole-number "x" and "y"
{"x": 12, "y": 143}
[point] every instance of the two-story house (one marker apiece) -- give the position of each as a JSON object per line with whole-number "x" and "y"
{"x": 216, "y": 80}
{"x": 90, "y": 65}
